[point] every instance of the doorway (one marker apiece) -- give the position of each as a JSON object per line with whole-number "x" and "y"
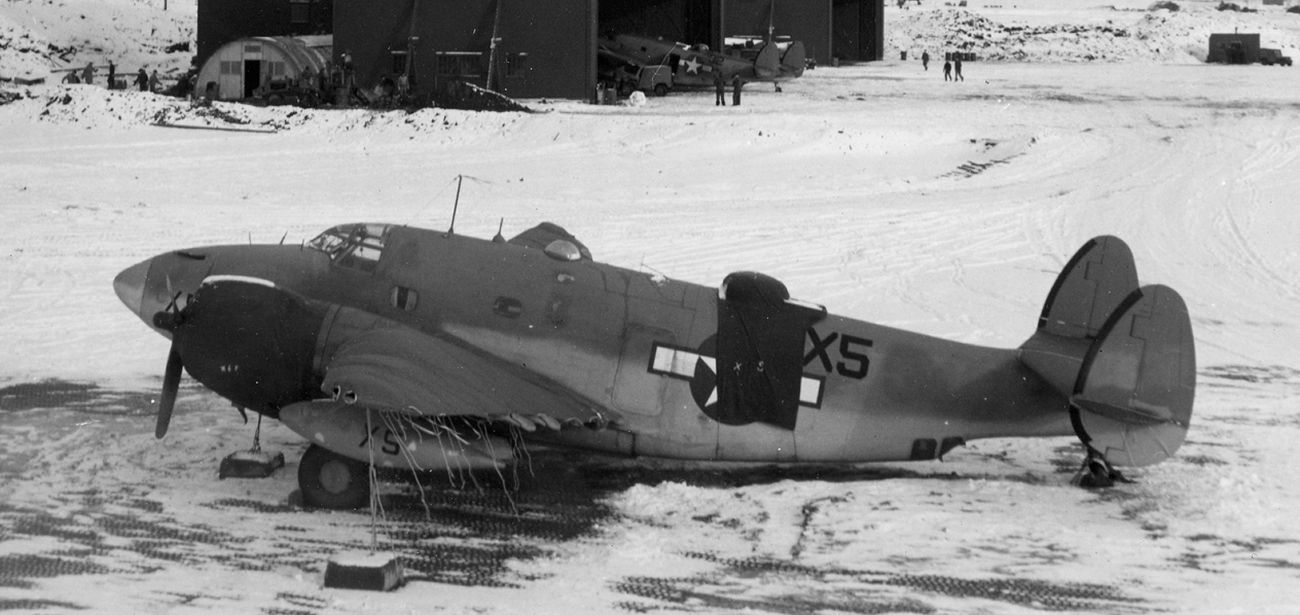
{"x": 252, "y": 76}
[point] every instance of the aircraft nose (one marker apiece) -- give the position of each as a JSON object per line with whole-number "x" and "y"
{"x": 129, "y": 285}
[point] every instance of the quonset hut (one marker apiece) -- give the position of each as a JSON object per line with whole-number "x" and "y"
{"x": 237, "y": 69}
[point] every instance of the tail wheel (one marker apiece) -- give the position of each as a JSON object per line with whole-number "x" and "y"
{"x": 330, "y": 480}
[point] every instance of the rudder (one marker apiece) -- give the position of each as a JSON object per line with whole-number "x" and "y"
{"x": 1133, "y": 399}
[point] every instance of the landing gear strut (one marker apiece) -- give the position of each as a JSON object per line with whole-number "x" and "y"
{"x": 330, "y": 480}
{"x": 1097, "y": 473}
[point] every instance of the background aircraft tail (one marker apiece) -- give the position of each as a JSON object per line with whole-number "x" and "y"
{"x": 1122, "y": 354}
{"x": 794, "y": 60}
{"x": 767, "y": 65}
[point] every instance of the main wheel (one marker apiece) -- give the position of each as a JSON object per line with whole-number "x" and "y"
{"x": 661, "y": 89}
{"x": 330, "y": 480}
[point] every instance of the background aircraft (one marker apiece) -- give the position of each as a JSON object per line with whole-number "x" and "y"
{"x": 411, "y": 348}
{"x": 695, "y": 66}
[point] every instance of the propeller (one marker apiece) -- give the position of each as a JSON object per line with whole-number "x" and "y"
{"x": 170, "y": 319}
{"x": 171, "y": 382}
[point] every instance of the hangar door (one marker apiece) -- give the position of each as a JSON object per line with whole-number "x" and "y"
{"x": 858, "y": 30}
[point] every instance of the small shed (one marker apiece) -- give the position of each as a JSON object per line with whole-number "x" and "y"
{"x": 1234, "y": 48}
{"x": 238, "y": 68}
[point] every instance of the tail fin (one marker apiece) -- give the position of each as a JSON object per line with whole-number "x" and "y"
{"x": 1123, "y": 355}
{"x": 1099, "y": 276}
{"x": 767, "y": 64}
{"x": 794, "y": 61}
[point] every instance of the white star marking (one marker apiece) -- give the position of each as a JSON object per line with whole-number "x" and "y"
{"x": 692, "y": 65}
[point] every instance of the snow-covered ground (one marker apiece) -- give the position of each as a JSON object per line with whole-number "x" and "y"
{"x": 877, "y": 190}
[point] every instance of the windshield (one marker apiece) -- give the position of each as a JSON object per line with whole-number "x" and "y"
{"x": 353, "y": 245}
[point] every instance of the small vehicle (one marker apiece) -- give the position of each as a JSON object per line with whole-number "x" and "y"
{"x": 287, "y": 92}
{"x": 655, "y": 78}
{"x": 1269, "y": 57}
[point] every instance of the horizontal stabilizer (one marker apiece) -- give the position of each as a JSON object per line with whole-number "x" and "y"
{"x": 1133, "y": 398}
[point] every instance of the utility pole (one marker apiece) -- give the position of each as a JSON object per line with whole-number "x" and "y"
{"x": 492, "y": 46}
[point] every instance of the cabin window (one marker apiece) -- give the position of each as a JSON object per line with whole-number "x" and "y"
{"x": 404, "y": 298}
{"x": 563, "y": 250}
{"x": 508, "y": 307}
{"x": 356, "y": 246}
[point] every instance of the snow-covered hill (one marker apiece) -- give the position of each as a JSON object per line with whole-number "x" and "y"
{"x": 1097, "y": 34}
{"x": 41, "y": 36}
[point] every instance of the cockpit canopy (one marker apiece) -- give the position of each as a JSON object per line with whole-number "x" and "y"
{"x": 356, "y": 245}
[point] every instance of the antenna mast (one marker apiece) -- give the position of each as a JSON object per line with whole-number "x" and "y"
{"x": 455, "y": 205}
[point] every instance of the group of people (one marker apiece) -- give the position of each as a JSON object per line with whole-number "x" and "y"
{"x": 720, "y": 89}
{"x": 951, "y": 68}
{"x": 143, "y": 80}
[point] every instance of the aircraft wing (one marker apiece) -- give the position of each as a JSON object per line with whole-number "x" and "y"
{"x": 620, "y": 57}
{"x": 391, "y": 367}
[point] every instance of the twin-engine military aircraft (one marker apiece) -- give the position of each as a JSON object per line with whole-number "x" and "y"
{"x": 697, "y": 66}
{"x": 411, "y": 348}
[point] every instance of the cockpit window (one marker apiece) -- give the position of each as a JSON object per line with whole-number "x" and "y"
{"x": 358, "y": 246}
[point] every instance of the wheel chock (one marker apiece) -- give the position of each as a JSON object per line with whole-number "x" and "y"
{"x": 379, "y": 572}
{"x": 250, "y": 464}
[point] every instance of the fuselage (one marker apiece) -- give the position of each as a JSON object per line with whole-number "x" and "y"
{"x": 641, "y": 347}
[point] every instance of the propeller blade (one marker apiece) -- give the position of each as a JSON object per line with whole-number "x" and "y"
{"x": 171, "y": 382}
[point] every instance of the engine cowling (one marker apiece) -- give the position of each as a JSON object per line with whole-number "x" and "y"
{"x": 251, "y": 342}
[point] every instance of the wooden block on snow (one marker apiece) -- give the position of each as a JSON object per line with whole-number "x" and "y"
{"x": 250, "y": 464}
{"x": 372, "y": 571}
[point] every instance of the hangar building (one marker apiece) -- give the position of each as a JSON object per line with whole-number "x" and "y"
{"x": 543, "y": 47}
{"x": 223, "y": 21}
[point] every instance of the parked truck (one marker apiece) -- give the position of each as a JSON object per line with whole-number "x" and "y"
{"x": 1269, "y": 57}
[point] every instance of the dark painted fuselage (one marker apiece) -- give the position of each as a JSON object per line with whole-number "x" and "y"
{"x": 638, "y": 346}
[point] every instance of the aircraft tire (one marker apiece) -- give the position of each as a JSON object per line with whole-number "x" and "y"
{"x": 661, "y": 89}
{"x": 332, "y": 481}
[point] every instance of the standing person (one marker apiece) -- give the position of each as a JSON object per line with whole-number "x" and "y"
{"x": 925, "y": 60}
{"x": 88, "y": 74}
{"x": 347, "y": 70}
{"x": 112, "y": 75}
{"x": 142, "y": 80}
{"x": 956, "y": 67}
{"x": 947, "y": 70}
{"x": 72, "y": 77}
{"x": 155, "y": 84}
{"x": 719, "y": 89}
{"x": 735, "y": 90}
